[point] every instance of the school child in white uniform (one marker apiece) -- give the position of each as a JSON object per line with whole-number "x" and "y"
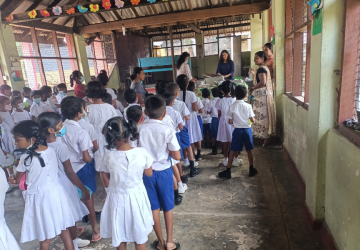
{"x": 213, "y": 112}
{"x": 126, "y": 216}
{"x": 88, "y": 127}
{"x": 160, "y": 142}
{"x": 104, "y": 80}
{"x": 136, "y": 114}
{"x": 27, "y": 99}
{"x": 78, "y": 142}
{"x": 131, "y": 98}
{"x": 119, "y": 106}
{"x": 53, "y": 128}
{"x": 48, "y": 209}
{"x": 40, "y": 104}
{"x": 61, "y": 94}
{"x": 49, "y": 97}
{"x": 19, "y": 114}
{"x": 189, "y": 160}
{"x": 107, "y": 99}
{"x": 206, "y": 118}
{"x": 5, "y": 90}
{"x": 7, "y": 124}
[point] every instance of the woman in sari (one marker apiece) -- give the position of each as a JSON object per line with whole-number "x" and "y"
{"x": 268, "y": 50}
{"x": 264, "y": 107}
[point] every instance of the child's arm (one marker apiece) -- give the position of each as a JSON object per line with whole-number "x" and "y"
{"x": 107, "y": 175}
{"x": 186, "y": 118}
{"x": 86, "y": 156}
{"x": 33, "y": 118}
{"x": 201, "y": 111}
{"x": 95, "y": 147}
{"x": 194, "y": 106}
{"x": 230, "y": 121}
{"x": 69, "y": 171}
{"x": 17, "y": 178}
{"x": 219, "y": 114}
{"x": 180, "y": 126}
{"x": 175, "y": 155}
{"x": 252, "y": 119}
{"x": 148, "y": 172}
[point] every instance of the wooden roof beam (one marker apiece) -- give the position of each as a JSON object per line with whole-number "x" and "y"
{"x": 190, "y": 4}
{"x": 194, "y": 28}
{"x": 9, "y": 6}
{"x": 34, "y": 5}
{"x": 45, "y": 26}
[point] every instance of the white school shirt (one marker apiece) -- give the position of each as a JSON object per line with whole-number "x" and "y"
{"x": 53, "y": 105}
{"x": 130, "y": 104}
{"x": 84, "y": 124}
{"x": 200, "y": 106}
{"x": 180, "y": 107}
{"x": 224, "y": 104}
{"x": 62, "y": 154}
{"x": 205, "y": 116}
{"x": 158, "y": 139}
{"x": 112, "y": 93}
{"x": 168, "y": 122}
{"x": 8, "y": 121}
{"x": 99, "y": 114}
{"x": 36, "y": 110}
{"x": 119, "y": 113}
{"x": 77, "y": 141}
{"x": 240, "y": 112}
{"x": 120, "y": 106}
{"x": 28, "y": 101}
{"x": 20, "y": 116}
{"x": 59, "y": 99}
{"x": 212, "y": 107}
{"x": 46, "y": 106}
{"x": 126, "y": 168}
{"x": 175, "y": 116}
{"x": 190, "y": 98}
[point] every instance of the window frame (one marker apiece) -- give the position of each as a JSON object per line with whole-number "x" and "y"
{"x": 167, "y": 48}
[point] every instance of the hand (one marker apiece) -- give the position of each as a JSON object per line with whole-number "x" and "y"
{"x": 12, "y": 180}
{"x": 218, "y": 74}
{"x": 251, "y": 88}
{"x": 86, "y": 195}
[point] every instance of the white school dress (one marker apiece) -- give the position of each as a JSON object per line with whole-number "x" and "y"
{"x": 48, "y": 209}
{"x": 99, "y": 114}
{"x": 7, "y": 240}
{"x": 200, "y": 105}
{"x": 205, "y": 116}
{"x": 6, "y": 126}
{"x": 20, "y": 116}
{"x": 120, "y": 106}
{"x": 225, "y": 129}
{"x": 192, "y": 124}
{"x": 126, "y": 215}
{"x": 59, "y": 99}
{"x": 180, "y": 107}
{"x": 79, "y": 209}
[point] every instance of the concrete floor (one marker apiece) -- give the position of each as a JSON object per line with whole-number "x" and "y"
{"x": 264, "y": 212}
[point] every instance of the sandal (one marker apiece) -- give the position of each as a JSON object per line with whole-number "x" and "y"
{"x": 174, "y": 246}
{"x": 96, "y": 240}
{"x": 155, "y": 244}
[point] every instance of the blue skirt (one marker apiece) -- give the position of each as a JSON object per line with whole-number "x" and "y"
{"x": 87, "y": 175}
{"x": 184, "y": 138}
{"x": 201, "y": 125}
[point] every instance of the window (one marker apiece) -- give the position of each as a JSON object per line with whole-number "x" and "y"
{"x": 101, "y": 55}
{"x": 182, "y": 43}
{"x": 297, "y": 50}
{"x": 46, "y": 57}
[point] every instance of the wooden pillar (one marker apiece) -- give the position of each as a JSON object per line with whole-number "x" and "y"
{"x": 172, "y": 53}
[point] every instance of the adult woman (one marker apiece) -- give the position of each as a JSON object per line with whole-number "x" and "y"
{"x": 78, "y": 77}
{"x": 226, "y": 66}
{"x": 264, "y": 107}
{"x": 104, "y": 80}
{"x": 137, "y": 77}
{"x": 268, "y": 50}
{"x": 183, "y": 67}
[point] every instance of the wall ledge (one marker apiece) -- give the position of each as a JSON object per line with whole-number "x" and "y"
{"x": 350, "y": 134}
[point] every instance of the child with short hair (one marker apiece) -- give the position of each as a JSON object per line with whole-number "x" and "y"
{"x": 238, "y": 116}
{"x": 107, "y": 99}
{"x": 160, "y": 142}
{"x": 78, "y": 142}
{"x": 36, "y": 109}
{"x": 126, "y": 215}
{"x": 7, "y": 124}
{"x": 119, "y": 105}
{"x": 27, "y": 99}
{"x": 15, "y": 93}
{"x": 131, "y": 98}
{"x": 206, "y": 118}
{"x": 5, "y": 90}
{"x": 214, "y": 113}
{"x": 49, "y": 100}
{"x": 19, "y": 114}
{"x": 61, "y": 92}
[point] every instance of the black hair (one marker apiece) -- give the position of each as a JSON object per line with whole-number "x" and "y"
{"x": 161, "y": 92}
{"x": 205, "y": 93}
{"x": 48, "y": 120}
{"x": 172, "y": 88}
{"x": 71, "y": 106}
{"x": 96, "y": 90}
{"x": 134, "y": 113}
{"x": 130, "y": 96}
{"x": 118, "y": 129}
{"x": 15, "y": 93}
{"x": 261, "y": 54}
{"x": 221, "y": 60}
{"x": 103, "y": 78}
{"x": 15, "y": 99}
{"x": 114, "y": 91}
{"x": 160, "y": 84}
{"x": 136, "y": 72}
{"x": 61, "y": 86}
{"x": 3, "y": 99}
{"x": 75, "y": 74}
{"x": 155, "y": 106}
{"x": 182, "y": 59}
{"x": 107, "y": 99}
{"x": 83, "y": 102}
{"x": 169, "y": 98}
{"x": 30, "y": 129}
{"x": 215, "y": 92}
{"x": 3, "y": 88}
{"x": 191, "y": 86}
{"x": 35, "y": 92}
{"x": 182, "y": 81}
{"x": 25, "y": 90}
{"x": 103, "y": 71}
{"x": 240, "y": 92}
{"x": 46, "y": 90}
{"x": 269, "y": 45}
{"x": 228, "y": 87}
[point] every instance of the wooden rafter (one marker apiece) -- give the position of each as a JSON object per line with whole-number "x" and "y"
{"x": 170, "y": 6}
{"x": 9, "y": 6}
{"x": 55, "y": 3}
{"x": 154, "y": 9}
{"x": 45, "y": 26}
{"x": 230, "y": 2}
{"x": 190, "y": 4}
{"x": 194, "y": 28}
{"x": 117, "y": 15}
{"x": 210, "y": 4}
{"x": 34, "y": 5}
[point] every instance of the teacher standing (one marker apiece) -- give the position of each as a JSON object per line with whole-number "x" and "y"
{"x": 137, "y": 77}
{"x": 183, "y": 67}
{"x": 226, "y": 66}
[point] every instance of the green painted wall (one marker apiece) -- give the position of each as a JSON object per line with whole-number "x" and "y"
{"x": 114, "y": 81}
{"x": 256, "y": 29}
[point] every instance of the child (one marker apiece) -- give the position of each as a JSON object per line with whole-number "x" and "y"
{"x": 27, "y": 99}
{"x": 160, "y": 142}
{"x": 184, "y": 142}
{"x": 107, "y": 99}
{"x": 238, "y": 116}
{"x": 136, "y": 114}
{"x": 119, "y": 105}
{"x": 19, "y": 114}
{"x": 47, "y": 208}
{"x": 78, "y": 143}
{"x": 5, "y": 90}
{"x": 39, "y": 105}
{"x": 15, "y": 93}
{"x": 85, "y": 124}
{"x": 126, "y": 216}
{"x": 131, "y": 98}
{"x": 104, "y": 80}
{"x": 213, "y": 112}
{"x": 7, "y": 124}
{"x": 51, "y": 125}
{"x": 49, "y": 100}
{"x": 206, "y": 118}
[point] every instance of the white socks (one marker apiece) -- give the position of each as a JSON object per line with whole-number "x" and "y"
{"x": 180, "y": 184}
{"x": 186, "y": 161}
{"x": 75, "y": 244}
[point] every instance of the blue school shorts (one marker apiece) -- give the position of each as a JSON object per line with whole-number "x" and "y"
{"x": 178, "y": 138}
{"x": 160, "y": 189}
{"x": 240, "y": 137}
{"x": 87, "y": 175}
{"x": 184, "y": 138}
{"x": 214, "y": 127}
{"x": 201, "y": 125}
{"x": 207, "y": 128}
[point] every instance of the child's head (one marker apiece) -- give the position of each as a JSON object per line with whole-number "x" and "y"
{"x": 191, "y": 86}
{"x": 16, "y": 93}
{"x": 47, "y": 91}
{"x": 72, "y": 108}
{"x": 16, "y": 102}
{"x": 227, "y": 87}
{"x": 5, "y": 90}
{"x": 103, "y": 78}
{"x": 130, "y": 96}
{"x": 26, "y": 92}
{"x": 182, "y": 81}
{"x": 173, "y": 88}
{"x": 50, "y": 123}
{"x": 95, "y": 90}
{"x": 135, "y": 113}
{"x": 155, "y": 107}
{"x": 240, "y": 92}
{"x": 36, "y": 95}
{"x": 107, "y": 99}
{"x": 117, "y": 130}
{"x": 28, "y": 134}
{"x": 161, "y": 85}
{"x": 5, "y": 103}
{"x": 215, "y": 92}
{"x": 169, "y": 99}
{"x": 205, "y": 93}
{"x": 61, "y": 88}
{"x": 161, "y": 92}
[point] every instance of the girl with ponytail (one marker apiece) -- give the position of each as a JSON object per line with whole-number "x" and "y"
{"x": 78, "y": 78}
{"x": 126, "y": 215}
{"x": 47, "y": 209}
